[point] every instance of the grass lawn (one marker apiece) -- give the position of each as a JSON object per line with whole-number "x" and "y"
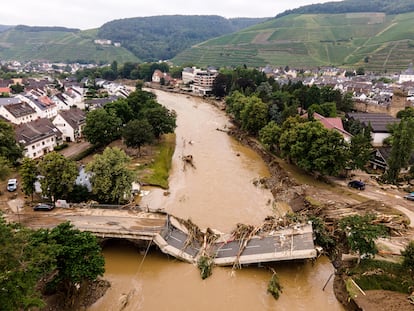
{"x": 376, "y": 274}
{"x": 154, "y": 168}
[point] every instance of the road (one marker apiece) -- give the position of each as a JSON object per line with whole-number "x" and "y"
{"x": 75, "y": 148}
{"x": 385, "y": 194}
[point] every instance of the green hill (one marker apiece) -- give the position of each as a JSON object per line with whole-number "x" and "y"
{"x": 163, "y": 37}
{"x": 375, "y": 41}
{"x": 58, "y": 44}
{"x": 142, "y": 39}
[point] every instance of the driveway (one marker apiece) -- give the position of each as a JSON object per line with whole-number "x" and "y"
{"x": 75, "y": 148}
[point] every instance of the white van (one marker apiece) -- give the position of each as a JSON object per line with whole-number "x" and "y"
{"x": 12, "y": 185}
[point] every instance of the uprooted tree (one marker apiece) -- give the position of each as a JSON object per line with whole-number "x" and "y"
{"x": 361, "y": 232}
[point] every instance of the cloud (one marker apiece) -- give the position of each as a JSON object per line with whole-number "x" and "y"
{"x": 86, "y": 14}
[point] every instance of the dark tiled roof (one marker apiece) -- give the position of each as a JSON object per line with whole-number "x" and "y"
{"x": 19, "y": 110}
{"x": 378, "y": 121}
{"x": 73, "y": 116}
{"x": 34, "y": 131}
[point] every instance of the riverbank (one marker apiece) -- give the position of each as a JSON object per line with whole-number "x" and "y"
{"x": 286, "y": 188}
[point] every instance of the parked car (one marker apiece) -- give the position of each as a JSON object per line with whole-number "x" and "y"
{"x": 357, "y": 184}
{"x": 409, "y": 196}
{"x": 43, "y": 207}
{"x": 12, "y": 185}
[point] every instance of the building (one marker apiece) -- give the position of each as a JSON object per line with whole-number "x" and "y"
{"x": 18, "y": 112}
{"x": 378, "y": 124}
{"x": 161, "y": 77}
{"x": 201, "y": 81}
{"x": 70, "y": 123}
{"x": 38, "y": 137}
{"x": 43, "y": 105}
{"x": 334, "y": 124}
{"x": 407, "y": 75}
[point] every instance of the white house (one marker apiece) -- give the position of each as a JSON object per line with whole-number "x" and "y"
{"x": 62, "y": 101}
{"x": 407, "y": 75}
{"x": 18, "y": 112}
{"x": 38, "y": 137}
{"x": 378, "y": 123}
{"x": 77, "y": 97}
{"x": 70, "y": 123}
{"x": 44, "y": 106}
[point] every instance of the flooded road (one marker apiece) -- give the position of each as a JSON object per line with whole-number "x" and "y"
{"x": 218, "y": 192}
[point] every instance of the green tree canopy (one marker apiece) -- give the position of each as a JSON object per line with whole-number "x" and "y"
{"x": 111, "y": 179}
{"x": 361, "y": 233}
{"x": 314, "y": 148}
{"x": 360, "y": 150}
{"x": 4, "y": 168}
{"x": 162, "y": 120}
{"x": 269, "y": 135}
{"x": 408, "y": 112}
{"x": 121, "y": 109}
{"x": 9, "y": 148}
{"x": 138, "y": 133}
{"x": 254, "y": 115}
{"x": 23, "y": 262}
{"x": 101, "y": 127}
{"x": 402, "y": 148}
{"x": 79, "y": 260}
{"x": 408, "y": 257}
{"x": 28, "y": 173}
{"x": 59, "y": 175}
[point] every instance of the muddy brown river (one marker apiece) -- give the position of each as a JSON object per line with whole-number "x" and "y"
{"x": 217, "y": 192}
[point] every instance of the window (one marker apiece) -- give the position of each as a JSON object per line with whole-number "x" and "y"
{"x": 33, "y": 147}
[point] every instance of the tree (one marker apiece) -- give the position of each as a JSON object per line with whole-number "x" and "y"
{"x": 360, "y": 71}
{"x": 401, "y": 150}
{"x": 58, "y": 175}
{"x": 220, "y": 85}
{"x": 17, "y": 88}
{"x": 361, "y": 233}
{"x": 408, "y": 112}
{"x": 111, "y": 179}
{"x": 121, "y": 109}
{"x": 360, "y": 149}
{"x": 4, "y": 168}
{"x": 23, "y": 262}
{"x": 138, "y": 133}
{"x": 235, "y": 104}
{"x": 312, "y": 147}
{"x": 101, "y": 127}
{"x": 161, "y": 119}
{"x": 28, "y": 172}
{"x": 254, "y": 115}
{"x": 269, "y": 135}
{"x": 408, "y": 257}
{"x": 9, "y": 148}
{"x": 79, "y": 260}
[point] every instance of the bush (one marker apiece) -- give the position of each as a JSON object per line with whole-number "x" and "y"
{"x": 61, "y": 147}
{"x": 408, "y": 257}
{"x": 84, "y": 153}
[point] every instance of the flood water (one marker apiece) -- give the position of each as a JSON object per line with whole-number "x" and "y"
{"x": 218, "y": 192}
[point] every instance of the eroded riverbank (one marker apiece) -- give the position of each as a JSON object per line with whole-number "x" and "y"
{"x": 218, "y": 192}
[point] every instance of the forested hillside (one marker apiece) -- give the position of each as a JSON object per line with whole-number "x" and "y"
{"x": 163, "y": 37}
{"x": 354, "y": 6}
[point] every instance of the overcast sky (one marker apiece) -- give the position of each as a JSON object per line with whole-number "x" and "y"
{"x": 87, "y": 14}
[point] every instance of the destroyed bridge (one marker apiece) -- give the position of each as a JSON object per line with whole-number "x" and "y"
{"x": 273, "y": 241}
